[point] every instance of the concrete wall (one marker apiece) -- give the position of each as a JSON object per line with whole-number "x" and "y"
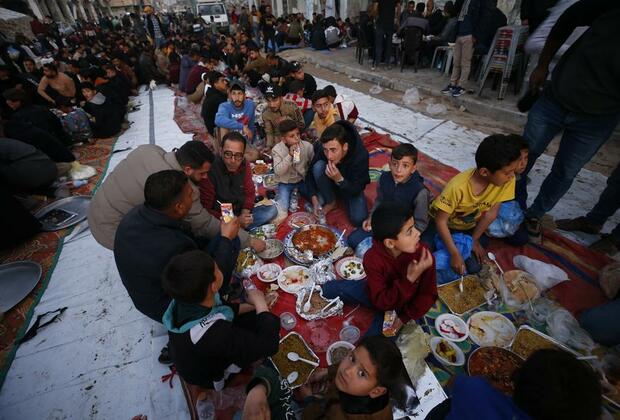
{"x": 13, "y": 22}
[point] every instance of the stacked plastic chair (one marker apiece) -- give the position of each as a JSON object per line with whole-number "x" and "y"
{"x": 505, "y": 55}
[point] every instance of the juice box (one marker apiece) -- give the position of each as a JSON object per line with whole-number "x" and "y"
{"x": 227, "y": 212}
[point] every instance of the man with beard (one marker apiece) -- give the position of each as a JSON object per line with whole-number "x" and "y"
{"x": 257, "y": 62}
{"x": 296, "y": 72}
{"x": 54, "y": 84}
{"x": 123, "y": 189}
{"x": 215, "y": 96}
{"x": 277, "y": 111}
{"x": 237, "y": 113}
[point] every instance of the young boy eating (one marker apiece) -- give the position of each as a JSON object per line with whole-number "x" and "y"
{"x": 359, "y": 387}
{"x": 291, "y": 159}
{"x": 210, "y": 340}
{"x": 400, "y": 271}
{"x": 402, "y": 184}
{"x": 470, "y": 201}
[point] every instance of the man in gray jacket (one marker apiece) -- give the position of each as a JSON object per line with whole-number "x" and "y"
{"x": 123, "y": 189}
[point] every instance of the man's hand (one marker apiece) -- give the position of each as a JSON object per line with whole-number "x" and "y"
{"x": 231, "y": 229}
{"x": 333, "y": 173}
{"x": 247, "y": 132}
{"x": 257, "y": 298}
{"x": 457, "y": 263}
{"x": 257, "y": 245}
{"x": 417, "y": 267}
{"x": 245, "y": 218}
{"x": 316, "y": 206}
{"x": 479, "y": 251}
{"x": 256, "y": 406}
{"x": 538, "y": 78}
{"x": 366, "y": 225}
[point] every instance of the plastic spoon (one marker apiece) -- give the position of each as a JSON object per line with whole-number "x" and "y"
{"x": 461, "y": 285}
{"x": 307, "y": 304}
{"x": 292, "y": 377}
{"x": 492, "y": 258}
{"x": 294, "y": 357}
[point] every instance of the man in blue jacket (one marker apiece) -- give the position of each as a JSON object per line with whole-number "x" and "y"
{"x": 237, "y": 114}
{"x": 340, "y": 171}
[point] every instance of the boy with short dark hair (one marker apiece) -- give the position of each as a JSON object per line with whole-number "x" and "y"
{"x": 210, "y": 340}
{"x": 291, "y": 160}
{"x": 400, "y": 271}
{"x": 402, "y": 184}
{"x": 470, "y": 201}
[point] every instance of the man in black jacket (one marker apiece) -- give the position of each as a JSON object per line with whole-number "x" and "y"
{"x": 217, "y": 94}
{"x": 106, "y": 114}
{"x": 340, "y": 171}
{"x": 152, "y": 233}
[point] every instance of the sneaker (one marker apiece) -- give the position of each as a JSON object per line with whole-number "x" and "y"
{"x": 606, "y": 245}
{"x": 448, "y": 90}
{"x": 457, "y": 91}
{"x": 532, "y": 225}
{"x": 580, "y": 223}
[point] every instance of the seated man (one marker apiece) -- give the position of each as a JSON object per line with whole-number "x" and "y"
{"x": 346, "y": 108}
{"x": 215, "y": 96}
{"x": 415, "y": 19}
{"x": 23, "y": 168}
{"x": 297, "y": 94}
{"x": 106, "y": 120}
{"x": 339, "y": 171}
{"x": 123, "y": 189}
{"x": 152, "y": 233}
{"x": 325, "y": 114}
{"x": 278, "y": 109}
{"x": 296, "y": 72}
{"x": 75, "y": 120}
{"x": 54, "y": 84}
{"x": 230, "y": 182}
{"x": 256, "y": 61}
{"x": 210, "y": 340}
{"x": 237, "y": 113}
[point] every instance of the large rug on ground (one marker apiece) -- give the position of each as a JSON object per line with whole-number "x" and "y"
{"x": 45, "y": 249}
{"x": 580, "y": 263}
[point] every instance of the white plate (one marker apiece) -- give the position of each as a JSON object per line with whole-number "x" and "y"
{"x": 356, "y": 273}
{"x": 262, "y": 272}
{"x": 274, "y": 248}
{"x": 328, "y": 353}
{"x": 458, "y": 321}
{"x": 294, "y": 270}
{"x": 460, "y": 356}
{"x": 498, "y": 330}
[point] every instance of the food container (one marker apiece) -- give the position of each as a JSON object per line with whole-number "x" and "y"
{"x": 488, "y": 328}
{"x": 459, "y": 356}
{"x": 524, "y": 346}
{"x": 294, "y": 278}
{"x": 461, "y": 303}
{"x": 274, "y": 249}
{"x": 452, "y": 327}
{"x": 350, "y": 268}
{"x": 496, "y": 364}
{"x": 269, "y": 272}
{"x": 337, "y": 351}
{"x": 287, "y": 321}
{"x": 247, "y": 263}
{"x": 322, "y": 271}
{"x": 320, "y": 307}
{"x": 350, "y": 333}
{"x": 294, "y": 342}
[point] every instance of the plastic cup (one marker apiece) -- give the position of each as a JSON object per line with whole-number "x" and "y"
{"x": 350, "y": 333}
{"x": 287, "y": 320}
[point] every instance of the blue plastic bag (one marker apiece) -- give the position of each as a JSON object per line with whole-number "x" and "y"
{"x": 508, "y": 220}
{"x": 464, "y": 244}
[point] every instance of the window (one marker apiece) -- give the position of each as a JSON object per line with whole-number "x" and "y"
{"x": 211, "y": 9}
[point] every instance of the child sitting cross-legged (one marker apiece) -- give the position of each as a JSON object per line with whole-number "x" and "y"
{"x": 210, "y": 340}
{"x": 291, "y": 160}
{"x": 403, "y": 184}
{"x": 360, "y": 387}
{"x": 400, "y": 271}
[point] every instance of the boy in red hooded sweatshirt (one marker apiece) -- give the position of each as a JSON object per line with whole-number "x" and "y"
{"x": 400, "y": 270}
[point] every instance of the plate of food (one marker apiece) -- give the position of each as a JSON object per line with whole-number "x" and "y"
{"x": 497, "y": 365}
{"x": 521, "y": 286}
{"x": 350, "y": 268}
{"x": 447, "y": 352}
{"x": 293, "y": 342}
{"x": 260, "y": 168}
{"x": 488, "y": 328}
{"x": 451, "y": 327}
{"x": 274, "y": 248}
{"x": 527, "y": 340}
{"x": 337, "y": 351}
{"x": 459, "y": 302}
{"x": 301, "y": 219}
{"x": 269, "y": 181}
{"x": 321, "y": 240}
{"x": 320, "y": 307}
{"x": 269, "y": 272}
{"x": 294, "y": 278}
{"x": 247, "y": 262}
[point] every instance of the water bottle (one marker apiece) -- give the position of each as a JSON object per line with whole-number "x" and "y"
{"x": 322, "y": 219}
{"x": 294, "y": 202}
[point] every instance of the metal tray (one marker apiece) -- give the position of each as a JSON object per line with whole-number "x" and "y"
{"x": 309, "y": 350}
{"x": 76, "y": 204}
{"x": 17, "y": 279}
{"x": 448, "y": 306}
{"x": 298, "y": 257}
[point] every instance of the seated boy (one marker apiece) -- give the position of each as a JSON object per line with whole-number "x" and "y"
{"x": 106, "y": 121}
{"x": 401, "y": 184}
{"x": 470, "y": 201}
{"x": 291, "y": 160}
{"x": 400, "y": 271}
{"x": 74, "y": 119}
{"x": 210, "y": 340}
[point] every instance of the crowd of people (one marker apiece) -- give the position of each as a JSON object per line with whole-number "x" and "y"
{"x": 177, "y": 220}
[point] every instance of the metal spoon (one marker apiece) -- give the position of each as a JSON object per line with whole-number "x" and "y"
{"x": 492, "y": 258}
{"x": 294, "y": 357}
{"x": 461, "y": 285}
{"x": 292, "y": 377}
{"x": 307, "y": 304}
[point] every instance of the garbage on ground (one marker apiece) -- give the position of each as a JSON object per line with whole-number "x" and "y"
{"x": 375, "y": 90}
{"x": 546, "y": 275}
{"x": 436, "y": 109}
{"x": 411, "y": 96}
{"x": 565, "y": 328}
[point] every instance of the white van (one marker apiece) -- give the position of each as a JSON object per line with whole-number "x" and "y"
{"x": 214, "y": 12}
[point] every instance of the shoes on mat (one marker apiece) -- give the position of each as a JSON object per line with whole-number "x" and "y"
{"x": 580, "y": 224}
{"x": 532, "y": 225}
{"x": 606, "y": 245}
